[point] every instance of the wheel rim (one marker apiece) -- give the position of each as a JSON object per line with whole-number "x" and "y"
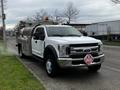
{"x": 49, "y": 66}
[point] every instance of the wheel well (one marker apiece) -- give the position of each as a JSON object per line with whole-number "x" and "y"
{"x": 50, "y": 50}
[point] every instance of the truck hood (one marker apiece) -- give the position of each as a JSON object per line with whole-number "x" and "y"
{"x": 74, "y": 40}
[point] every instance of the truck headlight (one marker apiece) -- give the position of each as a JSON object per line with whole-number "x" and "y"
{"x": 100, "y": 49}
{"x": 63, "y": 50}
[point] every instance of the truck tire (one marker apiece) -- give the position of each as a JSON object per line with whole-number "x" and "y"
{"x": 94, "y": 68}
{"x": 51, "y": 65}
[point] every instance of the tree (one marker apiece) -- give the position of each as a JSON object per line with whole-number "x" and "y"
{"x": 57, "y": 16}
{"x": 29, "y": 21}
{"x": 39, "y": 16}
{"x": 116, "y": 1}
{"x": 71, "y": 12}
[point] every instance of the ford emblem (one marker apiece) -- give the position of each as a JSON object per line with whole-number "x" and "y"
{"x": 87, "y": 50}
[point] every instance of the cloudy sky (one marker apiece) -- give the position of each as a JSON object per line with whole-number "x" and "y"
{"x": 90, "y": 10}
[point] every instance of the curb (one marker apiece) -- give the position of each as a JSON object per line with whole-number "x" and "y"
{"x": 31, "y": 72}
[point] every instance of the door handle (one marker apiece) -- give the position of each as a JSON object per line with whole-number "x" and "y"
{"x": 35, "y": 41}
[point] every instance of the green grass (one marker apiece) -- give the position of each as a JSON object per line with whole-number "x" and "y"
{"x": 14, "y": 76}
{"x": 2, "y": 48}
{"x": 112, "y": 43}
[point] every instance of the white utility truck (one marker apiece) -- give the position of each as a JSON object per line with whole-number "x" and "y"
{"x": 60, "y": 46}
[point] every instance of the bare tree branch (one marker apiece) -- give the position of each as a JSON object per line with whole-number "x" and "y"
{"x": 116, "y": 1}
{"x": 39, "y": 16}
{"x": 57, "y": 16}
{"x": 71, "y": 12}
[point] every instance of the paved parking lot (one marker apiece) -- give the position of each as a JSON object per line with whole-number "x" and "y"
{"x": 108, "y": 78}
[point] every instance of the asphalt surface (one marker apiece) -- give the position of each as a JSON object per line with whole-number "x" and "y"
{"x": 108, "y": 78}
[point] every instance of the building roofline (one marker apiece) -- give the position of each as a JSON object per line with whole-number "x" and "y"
{"x": 76, "y": 24}
{"x": 105, "y": 21}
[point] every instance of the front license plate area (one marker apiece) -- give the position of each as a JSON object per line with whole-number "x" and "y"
{"x": 88, "y": 59}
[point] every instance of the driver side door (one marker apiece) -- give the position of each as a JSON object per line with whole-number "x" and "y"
{"x": 38, "y": 42}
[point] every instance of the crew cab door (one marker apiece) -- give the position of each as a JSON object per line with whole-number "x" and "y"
{"x": 38, "y": 42}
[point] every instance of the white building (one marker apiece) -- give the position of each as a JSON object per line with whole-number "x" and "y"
{"x": 104, "y": 28}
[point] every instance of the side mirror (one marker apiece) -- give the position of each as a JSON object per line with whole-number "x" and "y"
{"x": 85, "y": 34}
{"x": 37, "y": 36}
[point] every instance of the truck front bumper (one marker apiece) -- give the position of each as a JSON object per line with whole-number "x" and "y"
{"x": 79, "y": 62}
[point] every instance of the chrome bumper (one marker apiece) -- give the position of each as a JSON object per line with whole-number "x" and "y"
{"x": 67, "y": 62}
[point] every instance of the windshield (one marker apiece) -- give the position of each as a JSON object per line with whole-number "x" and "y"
{"x": 62, "y": 31}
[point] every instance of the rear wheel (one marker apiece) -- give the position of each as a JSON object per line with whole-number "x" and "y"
{"x": 51, "y": 65}
{"x": 94, "y": 68}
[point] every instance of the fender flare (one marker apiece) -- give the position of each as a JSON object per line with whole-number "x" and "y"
{"x": 52, "y": 50}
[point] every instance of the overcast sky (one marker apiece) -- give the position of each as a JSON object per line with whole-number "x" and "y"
{"x": 90, "y": 10}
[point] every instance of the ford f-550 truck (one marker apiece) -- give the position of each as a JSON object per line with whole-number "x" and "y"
{"x": 60, "y": 46}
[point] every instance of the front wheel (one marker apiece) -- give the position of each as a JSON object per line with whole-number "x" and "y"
{"x": 51, "y": 65}
{"x": 94, "y": 68}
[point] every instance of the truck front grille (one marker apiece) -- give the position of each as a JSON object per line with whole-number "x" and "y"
{"x": 80, "y": 50}
{"x": 84, "y": 45}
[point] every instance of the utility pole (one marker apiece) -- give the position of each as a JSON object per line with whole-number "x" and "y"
{"x": 3, "y": 21}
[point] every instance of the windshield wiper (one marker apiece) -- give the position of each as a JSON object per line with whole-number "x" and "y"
{"x": 73, "y": 35}
{"x": 58, "y": 35}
